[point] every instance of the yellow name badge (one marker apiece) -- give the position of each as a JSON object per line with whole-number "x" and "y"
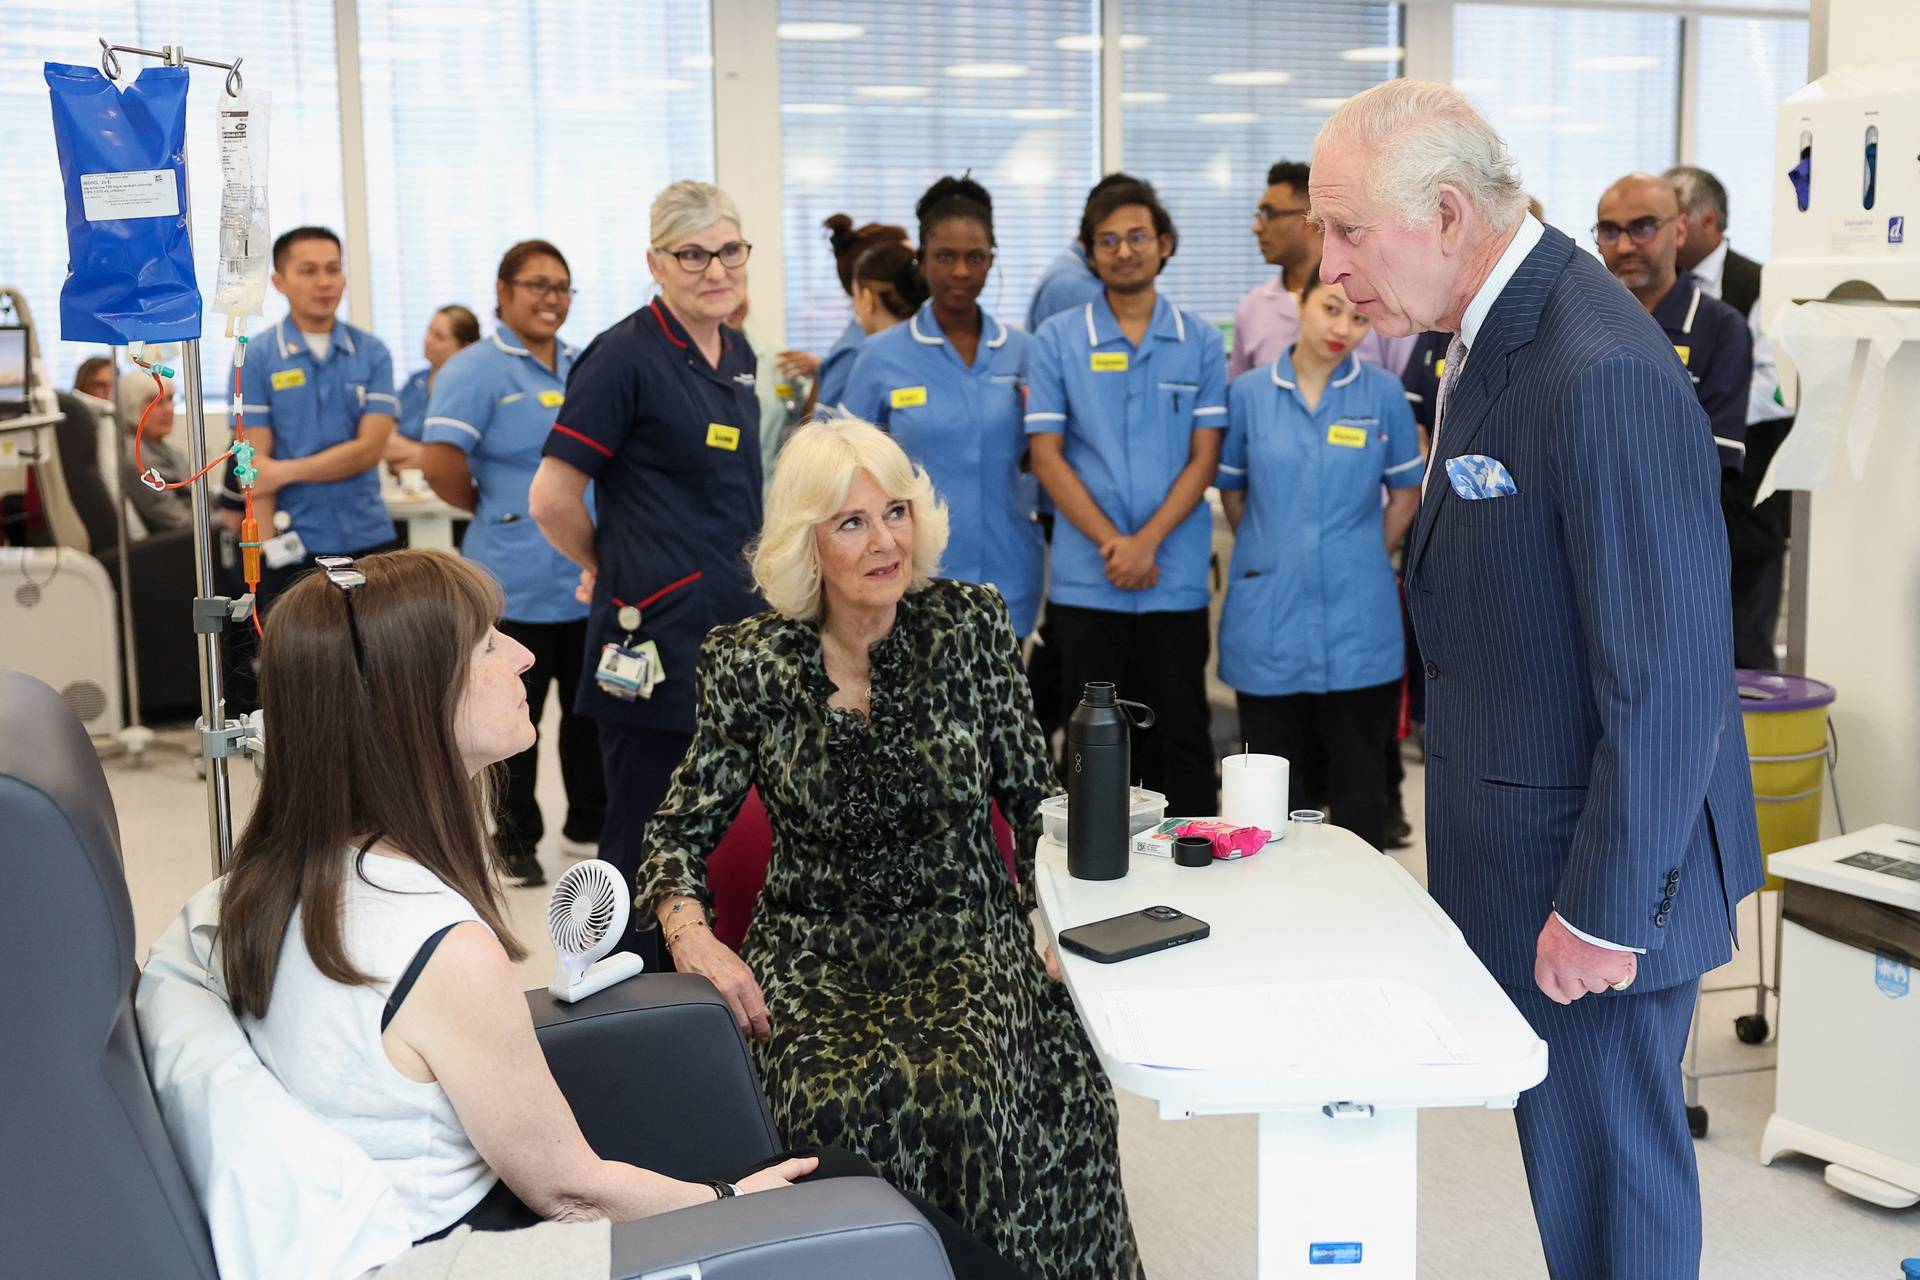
{"x": 552, "y": 399}
{"x": 1347, "y": 437}
{"x": 288, "y": 379}
{"x": 909, "y": 397}
{"x": 722, "y": 436}
{"x": 1685, "y": 353}
{"x": 1440, "y": 367}
{"x": 1108, "y": 362}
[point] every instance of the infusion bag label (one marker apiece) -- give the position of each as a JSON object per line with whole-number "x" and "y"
{"x": 143, "y": 193}
{"x": 1108, "y": 362}
{"x": 288, "y": 379}
{"x": 722, "y": 436}
{"x": 909, "y": 397}
{"x": 1892, "y": 975}
{"x": 1338, "y": 1253}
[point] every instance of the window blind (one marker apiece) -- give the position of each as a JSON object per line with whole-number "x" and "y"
{"x": 1748, "y": 67}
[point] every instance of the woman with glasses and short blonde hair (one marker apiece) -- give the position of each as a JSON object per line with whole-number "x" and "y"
{"x": 660, "y": 417}
{"x": 889, "y": 978}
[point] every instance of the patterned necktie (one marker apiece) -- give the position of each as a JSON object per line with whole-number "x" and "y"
{"x": 1456, "y": 359}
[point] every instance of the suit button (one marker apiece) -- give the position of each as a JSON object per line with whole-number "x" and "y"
{"x": 1673, "y": 873}
{"x": 1433, "y": 671}
{"x": 1666, "y": 904}
{"x": 1659, "y": 919}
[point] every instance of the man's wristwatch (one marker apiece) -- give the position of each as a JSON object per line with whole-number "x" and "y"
{"x": 724, "y": 1190}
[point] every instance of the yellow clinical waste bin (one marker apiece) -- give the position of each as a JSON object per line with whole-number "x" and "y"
{"x": 1786, "y": 722}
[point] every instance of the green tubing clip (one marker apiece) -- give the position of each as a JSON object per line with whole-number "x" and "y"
{"x": 244, "y": 472}
{"x": 162, "y": 370}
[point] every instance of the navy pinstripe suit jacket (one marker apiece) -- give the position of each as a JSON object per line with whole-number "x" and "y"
{"x": 1584, "y": 742}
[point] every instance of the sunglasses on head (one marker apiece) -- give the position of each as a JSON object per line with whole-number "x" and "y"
{"x": 343, "y": 573}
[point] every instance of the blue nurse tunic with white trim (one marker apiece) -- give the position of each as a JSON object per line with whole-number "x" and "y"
{"x": 1311, "y": 605}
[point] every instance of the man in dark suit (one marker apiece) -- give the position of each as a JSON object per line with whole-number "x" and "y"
{"x": 1589, "y": 810}
{"x": 1756, "y": 535}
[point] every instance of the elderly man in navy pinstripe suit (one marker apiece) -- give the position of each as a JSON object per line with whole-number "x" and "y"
{"x": 1589, "y": 810}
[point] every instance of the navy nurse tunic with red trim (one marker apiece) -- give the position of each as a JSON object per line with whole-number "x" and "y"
{"x": 672, "y": 444}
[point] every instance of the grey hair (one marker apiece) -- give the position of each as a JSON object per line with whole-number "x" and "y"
{"x": 1698, "y": 191}
{"x": 687, "y": 208}
{"x": 1419, "y": 135}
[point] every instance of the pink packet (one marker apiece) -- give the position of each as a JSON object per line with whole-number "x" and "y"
{"x": 1229, "y": 842}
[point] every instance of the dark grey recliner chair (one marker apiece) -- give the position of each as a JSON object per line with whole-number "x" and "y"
{"x": 90, "y": 1186}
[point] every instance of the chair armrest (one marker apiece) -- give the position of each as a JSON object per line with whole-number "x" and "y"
{"x": 658, "y": 1075}
{"x": 841, "y": 1229}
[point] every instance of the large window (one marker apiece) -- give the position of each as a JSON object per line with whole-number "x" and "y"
{"x": 288, "y": 49}
{"x": 503, "y": 120}
{"x": 879, "y": 98}
{"x": 1748, "y": 67}
{"x": 1581, "y": 96}
{"x": 1214, "y": 95}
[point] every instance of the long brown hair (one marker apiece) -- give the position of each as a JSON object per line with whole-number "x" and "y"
{"x": 345, "y": 762}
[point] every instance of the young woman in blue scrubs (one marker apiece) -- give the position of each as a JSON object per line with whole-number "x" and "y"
{"x": 1310, "y": 633}
{"x": 453, "y": 329}
{"x": 950, "y": 384}
{"x": 493, "y": 404}
{"x": 848, "y": 247}
{"x": 662, "y": 419}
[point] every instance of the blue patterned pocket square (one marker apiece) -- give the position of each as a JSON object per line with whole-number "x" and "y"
{"x": 1475, "y": 475}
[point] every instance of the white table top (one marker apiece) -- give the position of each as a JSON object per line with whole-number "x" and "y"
{"x": 1819, "y": 864}
{"x": 402, "y": 505}
{"x": 1318, "y": 905}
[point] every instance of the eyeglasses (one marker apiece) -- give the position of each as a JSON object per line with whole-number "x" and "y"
{"x": 344, "y": 574}
{"x": 546, "y": 288}
{"x": 694, "y": 259}
{"x": 1136, "y": 240}
{"x": 1640, "y": 230}
{"x": 1267, "y": 213}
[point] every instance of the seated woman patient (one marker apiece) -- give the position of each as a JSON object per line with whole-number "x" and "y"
{"x": 389, "y": 694}
{"x": 890, "y": 973}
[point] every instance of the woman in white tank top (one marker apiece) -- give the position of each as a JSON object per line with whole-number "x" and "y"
{"x": 363, "y": 932}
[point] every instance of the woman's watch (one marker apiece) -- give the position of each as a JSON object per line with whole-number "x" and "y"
{"x": 724, "y": 1190}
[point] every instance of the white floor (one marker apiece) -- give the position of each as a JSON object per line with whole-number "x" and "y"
{"x": 1189, "y": 1182}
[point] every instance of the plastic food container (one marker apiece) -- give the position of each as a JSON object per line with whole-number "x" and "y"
{"x": 1144, "y": 809}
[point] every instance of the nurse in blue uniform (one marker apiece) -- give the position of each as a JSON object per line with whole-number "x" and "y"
{"x": 1310, "y": 633}
{"x": 950, "y": 385}
{"x": 452, "y": 329}
{"x": 493, "y": 405}
{"x": 1126, "y": 407}
{"x": 848, "y": 247}
{"x": 661, "y": 418}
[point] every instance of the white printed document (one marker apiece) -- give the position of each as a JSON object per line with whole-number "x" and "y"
{"x": 1358, "y": 1022}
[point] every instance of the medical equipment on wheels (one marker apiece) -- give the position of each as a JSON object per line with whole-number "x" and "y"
{"x": 131, "y": 282}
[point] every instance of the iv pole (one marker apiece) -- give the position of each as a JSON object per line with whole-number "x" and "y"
{"x": 219, "y": 737}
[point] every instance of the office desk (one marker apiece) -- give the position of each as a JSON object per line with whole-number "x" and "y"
{"x": 1336, "y": 1175}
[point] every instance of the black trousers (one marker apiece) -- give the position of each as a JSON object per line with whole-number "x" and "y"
{"x": 242, "y": 645}
{"x": 970, "y": 1259}
{"x": 637, "y": 763}
{"x": 1334, "y": 744}
{"x": 1756, "y": 611}
{"x": 559, "y": 656}
{"x": 1159, "y": 659}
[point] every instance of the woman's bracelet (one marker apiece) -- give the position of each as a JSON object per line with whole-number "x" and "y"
{"x": 674, "y": 937}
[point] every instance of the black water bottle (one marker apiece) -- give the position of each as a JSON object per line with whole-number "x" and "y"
{"x": 1099, "y": 760}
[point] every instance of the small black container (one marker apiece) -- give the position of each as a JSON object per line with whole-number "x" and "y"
{"x": 1193, "y": 851}
{"x": 1099, "y": 762}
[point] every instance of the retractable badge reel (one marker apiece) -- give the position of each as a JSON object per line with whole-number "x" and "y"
{"x": 628, "y": 671}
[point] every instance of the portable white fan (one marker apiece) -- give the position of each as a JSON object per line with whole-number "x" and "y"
{"x": 587, "y": 916}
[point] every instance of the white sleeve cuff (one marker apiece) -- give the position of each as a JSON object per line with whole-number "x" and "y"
{"x": 455, "y": 423}
{"x": 384, "y": 398}
{"x": 1593, "y": 941}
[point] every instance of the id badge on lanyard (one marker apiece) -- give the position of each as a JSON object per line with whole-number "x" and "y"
{"x": 628, "y": 671}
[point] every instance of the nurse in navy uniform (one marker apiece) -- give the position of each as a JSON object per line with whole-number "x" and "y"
{"x": 660, "y": 416}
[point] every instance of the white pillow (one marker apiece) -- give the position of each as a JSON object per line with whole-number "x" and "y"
{"x": 285, "y": 1194}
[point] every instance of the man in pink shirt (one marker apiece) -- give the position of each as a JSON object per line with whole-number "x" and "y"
{"x": 1268, "y": 319}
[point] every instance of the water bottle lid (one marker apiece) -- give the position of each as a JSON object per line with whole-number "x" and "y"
{"x": 1910, "y": 1269}
{"x": 1099, "y": 693}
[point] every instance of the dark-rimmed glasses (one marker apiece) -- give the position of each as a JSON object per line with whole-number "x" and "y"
{"x": 1640, "y": 230}
{"x": 546, "y": 288}
{"x": 343, "y": 573}
{"x": 1267, "y": 213}
{"x": 693, "y": 259}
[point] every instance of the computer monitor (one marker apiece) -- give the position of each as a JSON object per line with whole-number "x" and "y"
{"x": 15, "y": 393}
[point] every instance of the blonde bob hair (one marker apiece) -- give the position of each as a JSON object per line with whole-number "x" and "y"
{"x": 810, "y": 483}
{"x": 687, "y": 208}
